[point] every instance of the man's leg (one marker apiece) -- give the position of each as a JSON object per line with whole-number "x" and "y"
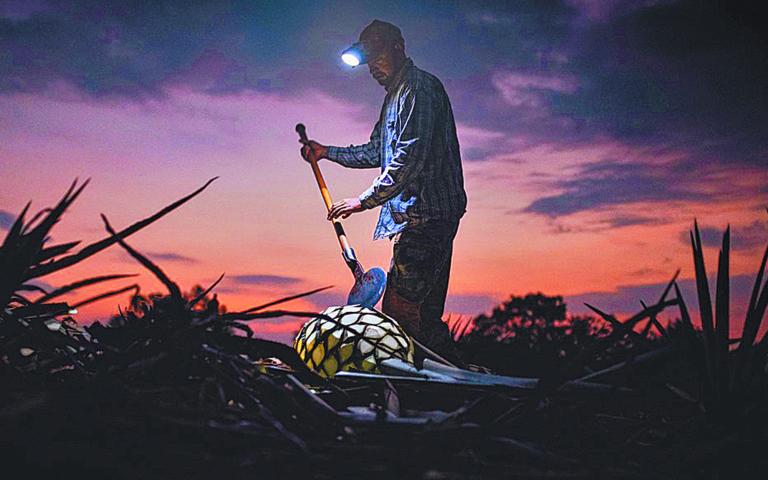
{"x": 433, "y": 331}
{"x": 418, "y": 282}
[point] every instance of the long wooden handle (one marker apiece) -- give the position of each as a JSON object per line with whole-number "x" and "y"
{"x": 316, "y": 169}
{"x": 340, "y": 234}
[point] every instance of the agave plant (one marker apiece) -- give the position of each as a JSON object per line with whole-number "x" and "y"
{"x": 730, "y": 377}
{"x": 30, "y": 328}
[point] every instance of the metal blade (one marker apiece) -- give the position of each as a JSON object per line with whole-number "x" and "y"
{"x": 368, "y": 288}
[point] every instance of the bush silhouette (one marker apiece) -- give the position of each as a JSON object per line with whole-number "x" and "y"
{"x": 528, "y": 335}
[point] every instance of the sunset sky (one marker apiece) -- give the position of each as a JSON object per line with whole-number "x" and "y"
{"x": 592, "y": 134}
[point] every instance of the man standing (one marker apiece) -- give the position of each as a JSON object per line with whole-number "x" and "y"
{"x": 420, "y": 189}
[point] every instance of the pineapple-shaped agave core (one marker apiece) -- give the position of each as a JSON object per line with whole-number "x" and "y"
{"x": 355, "y": 338}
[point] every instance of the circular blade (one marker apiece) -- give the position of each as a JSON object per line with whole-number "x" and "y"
{"x": 369, "y": 288}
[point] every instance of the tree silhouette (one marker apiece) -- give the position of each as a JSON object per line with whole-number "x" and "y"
{"x": 528, "y": 335}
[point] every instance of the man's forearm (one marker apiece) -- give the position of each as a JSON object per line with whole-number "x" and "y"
{"x": 355, "y": 156}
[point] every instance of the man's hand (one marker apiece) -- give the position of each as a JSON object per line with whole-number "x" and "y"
{"x": 313, "y": 148}
{"x": 345, "y": 208}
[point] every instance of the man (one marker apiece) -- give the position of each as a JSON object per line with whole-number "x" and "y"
{"x": 420, "y": 189}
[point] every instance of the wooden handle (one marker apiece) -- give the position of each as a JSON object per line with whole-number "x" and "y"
{"x": 302, "y": 131}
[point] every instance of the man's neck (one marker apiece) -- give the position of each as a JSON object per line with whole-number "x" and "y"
{"x": 396, "y": 77}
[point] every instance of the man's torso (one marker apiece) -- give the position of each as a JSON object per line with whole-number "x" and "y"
{"x": 438, "y": 191}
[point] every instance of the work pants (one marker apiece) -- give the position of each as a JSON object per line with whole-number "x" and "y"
{"x": 417, "y": 283}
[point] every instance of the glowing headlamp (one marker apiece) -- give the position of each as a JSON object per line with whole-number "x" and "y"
{"x": 355, "y": 55}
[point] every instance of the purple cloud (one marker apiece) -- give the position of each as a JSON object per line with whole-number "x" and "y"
{"x": 743, "y": 238}
{"x": 607, "y": 182}
{"x": 470, "y": 304}
{"x": 6, "y": 219}
{"x": 171, "y": 257}
{"x": 618, "y": 221}
{"x": 261, "y": 279}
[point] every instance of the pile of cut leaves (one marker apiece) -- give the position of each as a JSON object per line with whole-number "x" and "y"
{"x": 176, "y": 387}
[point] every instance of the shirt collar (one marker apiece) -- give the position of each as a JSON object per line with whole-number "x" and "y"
{"x": 399, "y": 75}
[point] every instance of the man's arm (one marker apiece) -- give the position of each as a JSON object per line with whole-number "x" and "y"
{"x": 417, "y": 122}
{"x": 358, "y": 156}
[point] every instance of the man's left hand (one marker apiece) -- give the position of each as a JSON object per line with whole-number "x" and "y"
{"x": 345, "y": 208}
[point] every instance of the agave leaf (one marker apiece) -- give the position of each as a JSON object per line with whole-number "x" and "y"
{"x": 619, "y": 327}
{"x": 274, "y": 314}
{"x": 722, "y": 295}
{"x": 722, "y": 321}
{"x": 759, "y": 313}
{"x": 705, "y": 311}
{"x": 702, "y": 287}
{"x": 283, "y": 300}
{"x": 55, "y": 250}
{"x": 30, "y": 287}
{"x": 684, "y": 315}
{"x": 80, "y": 284}
{"x": 15, "y": 230}
{"x": 20, "y": 299}
{"x": 464, "y": 330}
{"x": 550, "y": 382}
{"x": 205, "y": 292}
{"x": 47, "y": 309}
{"x": 15, "y": 258}
{"x": 754, "y": 316}
{"x": 460, "y": 328}
{"x": 648, "y": 324}
{"x": 35, "y": 217}
{"x": 242, "y": 327}
{"x": 106, "y": 242}
{"x": 669, "y": 287}
{"x": 104, "y": 295}
{"x": 40, "y": 232}
{"x": 173, "y": 289}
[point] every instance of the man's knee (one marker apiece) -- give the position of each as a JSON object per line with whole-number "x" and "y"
{"x": 406, "y": 312}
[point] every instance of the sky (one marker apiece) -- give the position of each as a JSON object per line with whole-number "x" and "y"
{"x": 592, "y": 134}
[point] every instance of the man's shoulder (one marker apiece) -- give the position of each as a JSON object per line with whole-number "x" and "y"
{"x": 422, "y": 80}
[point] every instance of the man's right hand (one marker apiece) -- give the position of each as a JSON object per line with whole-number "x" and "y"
{"x": 311, "y": 147}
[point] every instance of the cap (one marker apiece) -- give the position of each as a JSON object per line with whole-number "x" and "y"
{"x": 374, "y": 37}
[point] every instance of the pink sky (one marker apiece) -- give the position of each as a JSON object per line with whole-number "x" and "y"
{"x": 264, "y": 215}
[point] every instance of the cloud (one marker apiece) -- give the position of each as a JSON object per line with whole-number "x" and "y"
{"x": 676, "y": 73}
{"x": 22, "y": 9}
{"x": 328, "y": 298}
{"x": 530, "y": 90}
{"x": 469, "y": 304}
{"x": 261, "y": 279}
{"x": 136, "y": 49}
{"x": 608, "y": 182}
{"x": 743, "y": 238}
{"x": 630, "y": 220}
{"x": 171, "y": 257}
{"x": 6, "y": 219}
{"x": 603, "y": 10}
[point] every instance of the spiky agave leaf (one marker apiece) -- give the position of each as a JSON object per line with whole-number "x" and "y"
{"x": 282, "y": 300}
{"x": 80, "y": 284}
{"x": 205, "y": 292}
{"x": 705, "y": 307}
{"x": 100, "y": 245}
{"x": 722, "y": 321}
{"x": 173, "y": 289}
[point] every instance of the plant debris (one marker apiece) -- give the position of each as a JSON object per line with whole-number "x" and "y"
{"x": 176, "y": 387}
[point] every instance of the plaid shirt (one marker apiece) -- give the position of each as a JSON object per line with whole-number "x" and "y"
{"x": 415, "y": 144}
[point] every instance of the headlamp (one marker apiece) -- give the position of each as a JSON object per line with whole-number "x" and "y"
{"x": 355, "y": 55}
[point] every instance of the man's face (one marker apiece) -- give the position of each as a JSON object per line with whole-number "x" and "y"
{"x": 382, "y": 61}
